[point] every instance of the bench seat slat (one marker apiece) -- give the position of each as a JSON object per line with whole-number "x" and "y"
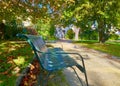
{"x": 52, "y": 62}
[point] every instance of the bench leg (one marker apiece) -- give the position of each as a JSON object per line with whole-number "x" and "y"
{"x": 40, "y": 79}
{"x": 77, "y": 76}
{"x": 46, "y": 79}
{"x": 43, "y": 78}
{"x": 86, "y": 77}
{"x": 82, "y": 69}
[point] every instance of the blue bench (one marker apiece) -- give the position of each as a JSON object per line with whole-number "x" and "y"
{"x": 52, "y": 59}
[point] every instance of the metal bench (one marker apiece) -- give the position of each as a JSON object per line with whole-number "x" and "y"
{"x": 52, "y": 59}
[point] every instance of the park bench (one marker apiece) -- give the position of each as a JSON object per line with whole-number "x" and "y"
{"x": 52, "y": 59}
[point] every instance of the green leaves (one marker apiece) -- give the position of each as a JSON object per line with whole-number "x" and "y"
{"x": 61, "y": 11}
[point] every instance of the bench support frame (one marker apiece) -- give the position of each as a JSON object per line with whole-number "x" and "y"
{"x": 37, "y": 41}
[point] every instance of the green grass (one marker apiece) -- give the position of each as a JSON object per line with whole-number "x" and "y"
{"x": 110, "y": 47}
{"x": 14, "y": 57}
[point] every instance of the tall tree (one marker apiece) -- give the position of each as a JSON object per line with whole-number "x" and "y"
{"x": 105, "y": 12}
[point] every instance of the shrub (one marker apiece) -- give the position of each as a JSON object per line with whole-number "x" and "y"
{"x": 70, "y": 34}
{"x": 89, "y": 35}
{"x": 114, "y": 36}
{"x": 10, "y": 32}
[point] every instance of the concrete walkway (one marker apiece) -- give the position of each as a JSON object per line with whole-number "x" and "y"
{"x": 101, "y": 71}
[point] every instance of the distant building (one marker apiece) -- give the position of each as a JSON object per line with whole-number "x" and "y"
{"x": 60, "y": 32}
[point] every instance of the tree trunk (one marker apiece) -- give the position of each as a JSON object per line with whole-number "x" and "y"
{"x": 101, "y": 32}
{"x": 76, "y": 31}
{"x": 2, "y": 31}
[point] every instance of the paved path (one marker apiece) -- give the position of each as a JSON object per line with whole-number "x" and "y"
{"x": 101, "y": 71}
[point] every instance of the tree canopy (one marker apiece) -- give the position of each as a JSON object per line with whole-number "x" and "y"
{"x": 78, "y": 12}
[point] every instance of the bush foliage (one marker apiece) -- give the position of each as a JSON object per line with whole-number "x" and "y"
{"x": 70, "y": 34}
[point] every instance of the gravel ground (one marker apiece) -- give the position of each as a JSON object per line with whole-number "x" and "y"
{"x": 101, "y": 70}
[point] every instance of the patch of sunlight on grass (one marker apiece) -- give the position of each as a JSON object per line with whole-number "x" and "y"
{"x": 2, "y": 44}
{"x": 19, "y": 61}
{"x": 1, "y": 81}
{"x": 112, "y": 48}
{"x": 8, "y": 46}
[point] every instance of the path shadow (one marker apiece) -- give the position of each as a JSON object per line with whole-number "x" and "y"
{"x": 72, "y": 78}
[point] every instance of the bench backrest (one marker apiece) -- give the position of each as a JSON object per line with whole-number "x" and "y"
{"x": 36, "y": 42}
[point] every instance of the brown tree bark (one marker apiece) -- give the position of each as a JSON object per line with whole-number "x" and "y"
{"x": 2, "y": 27}
{"x": 101, "y": 31}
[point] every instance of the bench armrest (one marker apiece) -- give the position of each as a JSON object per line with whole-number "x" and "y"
{"x": 60, "y": 52}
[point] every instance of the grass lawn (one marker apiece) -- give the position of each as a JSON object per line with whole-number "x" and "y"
{"x": 111, "y": 47}
{"x": 13, "y": 59}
